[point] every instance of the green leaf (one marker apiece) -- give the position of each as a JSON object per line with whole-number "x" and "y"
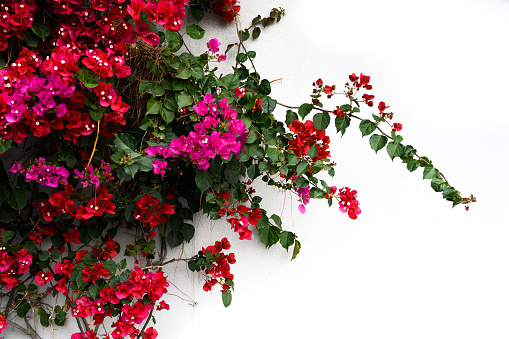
{"x": 302, "y": 168}
{"x": 93, "y": 291}
{"x": 293, "y": 160}
{"x": 394, "y": 150}
{"x": 125, "y": 142}
{"x": 204, "y": 180}
{"x": 229, "y": 81}
{"x": 188, "y": 232}
{"x": 43, "y": 317}
{"x": 342, "y": 124}
{"x": 321, "y": 120}
{"x": 174, "y": 239}
{"x": 317, "y": 193}
{"x": 274, "y": 154}
{"x": 251, "y": 54}
{"x": 296, "y": 249}
{"x": 18, "y": 198}
{"x": 197, "y": 71}
{"x": 367, "y": 127}
{"x": 174, "y": 40}
{"x": 413, "y": 164}
{"x": 313, "y": 151}
{"x": 55, "y": 254}
{"x": 287, "y": 239}
{"x": 7, "y": 215}
{"x": 256, "y": 32}
{"x": 145, "y": 163}
{"x": 430, "y": 172}
{"x": 131, "y": 169}
{"x": 111, "y": 266}
{"x": 68, "y": 157}
{"x": 377, "y": 142}
{"x": 153, "y": 106}
{"x": 264, "y": 87}
{"x": 40, "y": 29}
{"x": 122, "y": 264}
{"x": 195, "y": 31}
{"x": 44, "y": 256}
{"x": 227, "y": 298}
{"x": 268, "y": 104}
{"x": 241, "y": 57}
{"x": 184, "y": 99}
{"x": 305, "y": 109}
{"x": 5, "y": 145}
{"x": 438, "y": 184}
{"x": 7, "y": 235}
{"x": 291, "y": 116}
{"x": 197, "y": 12}
{"x": 276, "y": 219}
{"x": 30, "y": 38}
{"x": 167, "y": 115}
{"x": 243, "y": 35}
{"x": 269, "y": 235}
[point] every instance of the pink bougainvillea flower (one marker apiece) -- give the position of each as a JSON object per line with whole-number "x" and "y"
{"x": 213, "y": 45}
{"x": 302, "y": 208}
{"x": 208, "y": 98}
{"x": 222, "y": 57}
{"x": 159, "y": 166}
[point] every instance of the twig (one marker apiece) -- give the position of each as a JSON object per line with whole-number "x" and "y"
{"x": 95, "y": 143}
{"x": 377, "y": 127}
{"x": 29, "y": 332}
{"x": 146, "y": 323}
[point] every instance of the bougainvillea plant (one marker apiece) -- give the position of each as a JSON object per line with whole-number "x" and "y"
{"x": 108, "y": 121}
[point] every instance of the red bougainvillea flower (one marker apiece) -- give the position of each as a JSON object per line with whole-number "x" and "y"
{"x": 240, "y": 92}
{"x": 349, "y": 203}
{"x": 42, "y": 278}
{"x": 145, "y": 33}
{"x": 150, "y": 333}
{"x": 226, "y": 9}
{"x": 338, "y": 112}
{"x": 396, "y": 127}
{"x": 306, "y": 137}
{"x": 163, "y": 306}
{"x": 3, "y": 323}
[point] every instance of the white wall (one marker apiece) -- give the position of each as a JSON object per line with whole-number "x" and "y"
{"x": 410, "y": 266}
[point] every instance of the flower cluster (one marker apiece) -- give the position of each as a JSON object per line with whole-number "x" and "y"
{"x": 167, "y": 13}
{"x": 126, "y": 297}
{"x": 42, "y": 173}
{"x": 213, "y": 46}
{"x": 13, "y": 265}
{"x": 227, "y": 9}
{"x": 101, "y": 203}
{"x": 348, "y": 202}
{"x": 246, "y": 216}
{"x": 150, "y": 212}
{"x": 221, "y": 266}
{"x": 303, "y": 193}
{"x": 58, "y": 204}
{"x": 16, "y": 16}
{"x": 306, "y": 137}
{"x": 219, "y": 134}
{"x": 91, "y": 176}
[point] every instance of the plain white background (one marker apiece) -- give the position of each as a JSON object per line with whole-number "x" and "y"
{"x": 409, "y": 266}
